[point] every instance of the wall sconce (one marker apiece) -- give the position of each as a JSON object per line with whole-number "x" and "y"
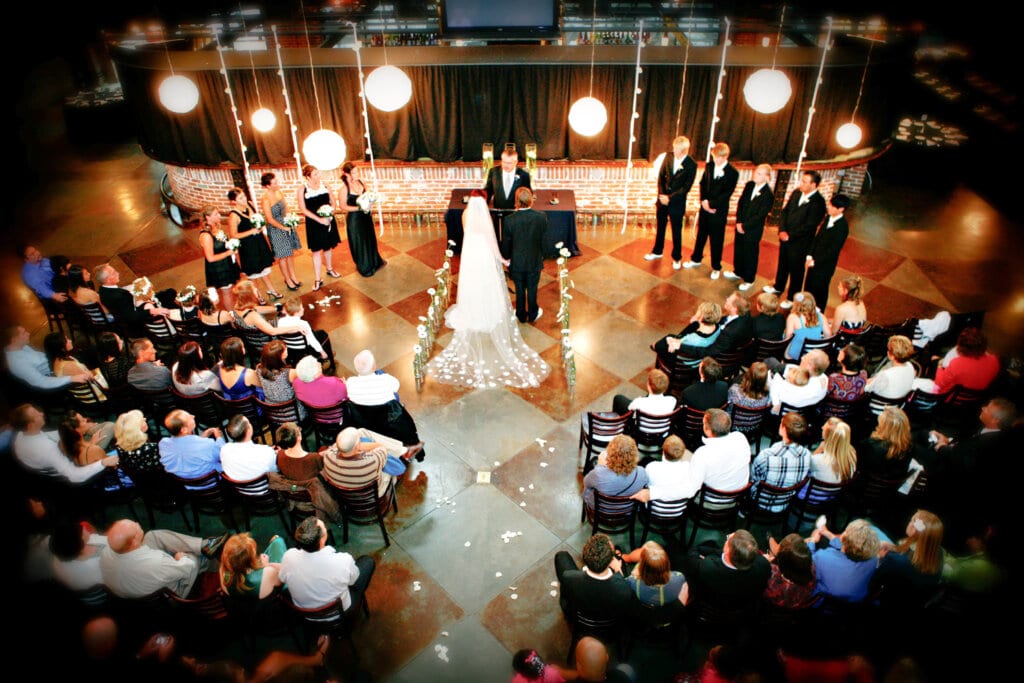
{"x": 488, "y": 157}
{"x": 531, "y": 158}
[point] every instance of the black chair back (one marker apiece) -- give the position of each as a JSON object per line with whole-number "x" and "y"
{"x": 597, "y": 429}
{"x": 206, "y": 495}
{"x": 327, "y": 422}
{"x": 667, "y": 517}
{"x": 256, "y": 498}
{"x": 364, "y": 506}
{"x": 716, "y": 509}
{"x": 203, "y": 407}
{"x": 612, "y": 515}
{"x": 820, "y": 498}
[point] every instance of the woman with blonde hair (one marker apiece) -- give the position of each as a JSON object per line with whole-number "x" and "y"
{"x": 887, "y": 453}
{"x": 835, "y": 459}
{"x": 314, "y": 198}
{"x": 896, "y": 378}
{"x": 805, "y": 322}
{"x": 911, "y": 570}
{"x": 248, "y": 315}
{"x": 243, "y": 573}
{"x": 652, "y": 580}
{"x": 616, "y": 472}
{"x": 136, "y": 451}
{"x": 850, "y": 315}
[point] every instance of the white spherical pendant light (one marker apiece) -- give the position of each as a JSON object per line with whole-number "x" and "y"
{"x": 324, "y": 149}
{"x": 263, "y": 120}
{"x": 179, "y": 94}
{"x": 767, "y": 90}
{"x": 388, "y": 88}
{"x": 849, "y": 135}
{"x": 587, "y": 116}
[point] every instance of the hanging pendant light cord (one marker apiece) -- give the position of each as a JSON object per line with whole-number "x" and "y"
{"x": 686, "y": 62}
{"x": 863, "y": 77}
{"x": 593, "y": 45}
{"x": 778, "y": 38}
{"x": 252, "y": 64}
{"x": 309, "y": 51}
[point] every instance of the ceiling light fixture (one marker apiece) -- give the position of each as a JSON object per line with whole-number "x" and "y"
{"x": 588, "y": 115}
{"x": 768, "y": 90}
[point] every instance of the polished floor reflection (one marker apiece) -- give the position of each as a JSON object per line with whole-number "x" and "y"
{"x": 449, "y": 579}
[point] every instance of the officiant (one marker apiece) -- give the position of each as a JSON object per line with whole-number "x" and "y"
{"x": 501, "y": 185}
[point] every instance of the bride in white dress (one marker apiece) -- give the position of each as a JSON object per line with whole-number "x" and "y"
{"x": 486, "y": 350}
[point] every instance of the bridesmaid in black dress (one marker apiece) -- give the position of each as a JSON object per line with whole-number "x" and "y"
{"x": 254, "y": 253}
{"x": 321, "y": 231}
{"x": 221, "y": 270}
{"x": 362, "y": 240}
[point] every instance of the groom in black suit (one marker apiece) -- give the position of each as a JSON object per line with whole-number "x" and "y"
{"x": 716, "y": 188}
{"x": 522, "y": 244}
{"x": 675, "y": 178}
{"x": 800, "y": 219}
{"x": 824, "y": 254}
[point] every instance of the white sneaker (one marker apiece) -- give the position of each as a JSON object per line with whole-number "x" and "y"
{"x": 715, "y": 274}
{"x": 729, "y": 275}
{"x": 540, "y": 312}
{"x": 676, "y": 265}
{"x": 786, "y": 304}
{"x": 691, "y": 264}
{"x": 768, "y": 289}
{"x": 652, "y": 257}
{"x": 745, "y": 286}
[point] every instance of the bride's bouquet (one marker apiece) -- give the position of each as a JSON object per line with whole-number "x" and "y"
{"x": 325, "y": 211}
{"x": 257, "y": 220}
{"x": 367, "y": 199}
{"x": 233, "y": 243}
{"x": 290, "y": 220}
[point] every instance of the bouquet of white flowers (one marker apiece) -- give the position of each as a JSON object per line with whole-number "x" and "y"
{"x": 257, "y": 220}
{"x": 325, "y": 211}
{"x": 221, "y": 237}
{"x": 232, "y": 244}
{"x": 367, "y": 199}
{"x": 291, "y": 220}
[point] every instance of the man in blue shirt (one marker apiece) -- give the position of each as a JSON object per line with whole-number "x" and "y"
{"x": 31, "y": 366}
{"x": 38, "y": 274}
{"x": 184, "y": 454}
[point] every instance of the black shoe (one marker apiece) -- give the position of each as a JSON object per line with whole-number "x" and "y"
{"x": 211, "y": 546}
{"x": 292, "y": 287}
{"x": 332, "y": 273}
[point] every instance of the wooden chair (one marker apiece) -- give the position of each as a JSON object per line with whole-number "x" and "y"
{"x": 715, "y": 509}
{"x": 769, "y": 504}
{"x": 869, "y": 495}
{"x": 612, "y": 515}
{"x": 256, "y": 499}
{"x": 248, "y": 406}
{"x": 206, "y": 495}
{"x": 826, "y": 344}
{"x": 56, "y": 314}
{"x": 164, "y": 336}
{"x": 95, "y": 321}
{"x": 298, "y": 349}
{"x": 959, "y": 413}
{"x": 681, "y": 373}
{"x": 922, "y": 407}
{"x": 254, "y": 341}
{"x": 876, "y": 403}
{"x": 203, "y": 622}
{"x": 767, "y": 348}
{"x": 203, "y": 407}
{"x": 650, "y": 431}
{"x": 691, "y": 426}
{"x": 158, "y": 491}
{"x": 326, "y": 422}
{"x": 733, "y": 361}
{"x": 331, "y": 619}
{"x": 749, "y": 422}
{"x": 667, "y": 517}
{"x": 155, "y": 405}
{"x": 876, "y": 341}
{"x": 601, "y": 626}
{"x": 85, "y": 399}
{"x": 215, "y": 336}
{"x": 597, "y": 429}
{"x": 364, "y": 506}
{"x": 277, "y": 414}
{"x": 820, "y": 498}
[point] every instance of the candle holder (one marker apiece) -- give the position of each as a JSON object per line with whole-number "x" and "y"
{"x": 488, "y": 158}
{"x": 531, "y": 159}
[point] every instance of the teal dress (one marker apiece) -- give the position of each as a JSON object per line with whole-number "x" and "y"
{"x": 254, "y": 577}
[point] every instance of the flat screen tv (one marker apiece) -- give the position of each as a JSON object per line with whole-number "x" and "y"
{"x": 499, "y": 18}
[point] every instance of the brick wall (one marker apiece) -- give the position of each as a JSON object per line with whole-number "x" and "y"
{"x": 423, "y": 188}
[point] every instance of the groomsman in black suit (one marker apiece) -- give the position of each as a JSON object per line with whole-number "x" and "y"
{"x": 824, "y": 254}
{"x": 716, "y": 187}
{"x": 675, "y": 178}
{"x": 503, "y": 181}
{"x": 800, "y": 218}
{"x": 751, "y": 212}
{"x": 522, "y": 243}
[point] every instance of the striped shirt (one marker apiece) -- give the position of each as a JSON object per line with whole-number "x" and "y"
{"x": 356, "y": 471}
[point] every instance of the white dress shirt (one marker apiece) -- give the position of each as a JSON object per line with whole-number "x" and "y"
{"x": 41, "y": 454}
{"x": 246, "y": 461}
{"x": 671, "y": 480}
{"x": 723, "y": 462}
{"x": 372, "y": 389}
{"x": 316, "y": 579}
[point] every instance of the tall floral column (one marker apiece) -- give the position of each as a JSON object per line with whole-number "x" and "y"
{"x": 564, "y": 284}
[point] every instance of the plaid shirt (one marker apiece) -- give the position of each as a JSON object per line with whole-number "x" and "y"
{"x": 779, "y": 465}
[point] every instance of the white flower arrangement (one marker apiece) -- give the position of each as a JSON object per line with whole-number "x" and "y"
{"x": 257, "y": 220}
{"x": 187, "y": 294}
{"x": 325, "y": 211}
{"x": 367, "y": 199}
{"x": 221, "y": 236}
{"x": 290, "y": 220}
{"x": 142, "y": 288}
{"x": 233, "y": 243}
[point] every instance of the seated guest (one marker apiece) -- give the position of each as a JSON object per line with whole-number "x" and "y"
{"x": 710, "y": 391}
{"x": 910, "y": 572}
{"x": 845, "y": 565}
{"x": 80, "y": 287}
{"x": 293, "y": 462}
{"x": 699, "y": 334}
{"x": 236, "y": 380}
{"x": 968, "y": 364}
{"x": 244, "y": 573}
{"x": 186, "y": 454}
{"x": 850, "y": 315}
{"x": 60, "y": 264}
{"x": 31, "y": 366}
{"x": 148, "y": 373}
{"x": 191, "y": 373}
{"x": 314, "y": 338}
{"x": 598, "y": 589}
{"x": 37, "y": 273}
{"x": 136, "y": 451}
{"x": 120, "y": 302}
{"x": 835, "y": 459}
{"x": 889, "y": 449}
{"x": 669, "y": 478}
{"x": 784, "y": 463}
{"x": 317, "y": 574}
{"x": 616, "y": 473}
{"x": 209, "y": 314}
{"x": 592, "y": 665}
{"x": 751, "y": 391}
{"x": 731, "y": 576}
{"x": 896, "y": 378}
{"x": 654, "y": 403}
{"x": 769, "y": 324}
{"x": 76, "y": 549}
{"x": 368, "y": 387}
{"x": 792, "y": 584}
{"x": 352, "y": 464}
{"x": 136, "y": 564}
{"x": 247, "y": 313}
{"x": 77, "y": 449}
{"x": 314, "y": 388}
{"x": 805, "y": 321}
{"x": 59, "y": 348}
{"x": 723, "y": 462}
{"x": 848, "y": 384}
{"x": 38, "y": 451}
{"x": 735, "y": 329}
{"x": 241, "y": 459}
{"x": 100, "y": 433}
{"x": 799, "y": 385}
{"x": 114, "y": 362}
{"x": 652, "y": 580}
{"x": 276, "y": 376}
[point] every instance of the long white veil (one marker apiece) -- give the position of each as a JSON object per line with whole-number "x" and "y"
{"x": 487, "y": 350}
